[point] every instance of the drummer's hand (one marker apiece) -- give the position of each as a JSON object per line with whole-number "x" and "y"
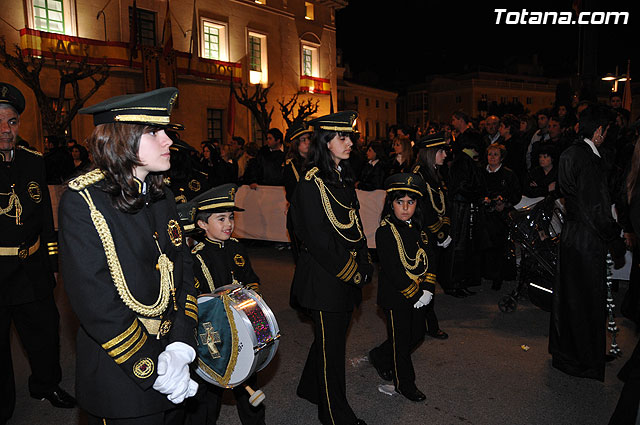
{"x": 630, "y": 240}
{"x": 552, "y": 186}
{"x": 173, "y": 372}
{"x": 533, "y": 184}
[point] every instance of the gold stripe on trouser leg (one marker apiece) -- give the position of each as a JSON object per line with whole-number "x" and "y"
{"x": 395, "y": 362}
{"x": 104, "y": 421}
{"x": 324, "y": 366}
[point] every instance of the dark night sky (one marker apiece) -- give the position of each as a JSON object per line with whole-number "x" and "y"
{"x": 389, "y": 43}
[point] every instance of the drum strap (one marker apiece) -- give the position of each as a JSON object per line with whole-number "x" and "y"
{"x": 206, "y": 273}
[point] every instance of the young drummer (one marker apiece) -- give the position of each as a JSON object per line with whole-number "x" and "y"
{"x": 405, "y": 283}
{"x": 218, "y": 261}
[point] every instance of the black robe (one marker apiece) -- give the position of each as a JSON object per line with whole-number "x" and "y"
{"x": 578, "y": 318}
{"x": 499, "y": 262}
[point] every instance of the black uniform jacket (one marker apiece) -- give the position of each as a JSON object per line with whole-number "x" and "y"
{"x": 24, "y": 191}
{"x": 503, "y": 182}
{"x": 292, "y": 170}
{"x": 217, "y": 264}
{"x": 434, "y": 207}
{"x": 117, "y": 353}
{"x": 333, "y": 261}
{"x": 372, "y": 176}
{"x": 187, "y": 188}
{"x": 401, "y": 285}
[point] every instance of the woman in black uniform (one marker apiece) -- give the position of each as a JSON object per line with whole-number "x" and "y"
{"x": 406, "y": 283}
{"x": 127, "y": 269}
{"x": 435, "y": 218}
{"x": 333, "y": 263}
{"x": 300, "y": 137}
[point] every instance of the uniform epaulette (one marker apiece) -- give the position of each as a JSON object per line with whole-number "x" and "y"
{"x": 416, "y": 169}
{"x": 311, "y": 173}
{"x": 33, "y": 151}
{"x": 203, "y": 174}
{"x": 288, "y": 161}
{"x": 234, "y": 239}
{"x": 167, "y": 181}
{"x": 86, "y": 180}
{"x": 197, "y": 248}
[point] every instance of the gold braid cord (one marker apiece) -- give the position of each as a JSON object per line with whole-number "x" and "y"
{"x": 206, "y": 273}
{"x": 421, "y": 255}
{"x": 293, "y": 168}
{"x": 337, "y": 225}
{"x": 440, "y": 211}
{"x": 115, "y": 269}
{"x": 14, "y": 201}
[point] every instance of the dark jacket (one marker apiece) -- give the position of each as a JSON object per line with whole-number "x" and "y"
{"x": 217, "y": 264}
{"x": 372, "y": 176}
{"x": 117, "y": 347}
{"x": 269, "y": 166}
{"x": 30, "y": 278}
{"x": 334, "y": 261}
{"x": 435, "y": 218}
{"x": 400, "y": 286}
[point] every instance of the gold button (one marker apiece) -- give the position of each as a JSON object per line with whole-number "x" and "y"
{"x": 157, "y": 266}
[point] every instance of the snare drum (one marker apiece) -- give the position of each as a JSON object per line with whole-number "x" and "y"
{"x": 237, "y": 335}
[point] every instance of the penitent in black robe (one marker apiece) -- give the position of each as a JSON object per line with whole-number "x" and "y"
{"x": 577, "y": 338}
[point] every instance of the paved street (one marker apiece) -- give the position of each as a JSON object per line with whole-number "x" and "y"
{"x": 480, "y": 375}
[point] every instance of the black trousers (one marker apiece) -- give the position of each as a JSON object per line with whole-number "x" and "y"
{"x": 430, "y": 314}
{"x": 169, "y": 417}
{"x": 37, "y": 324}
{"x": 405, "y": 330}
{"x": 204, "y": 408}
{"x": 323, "y": 378}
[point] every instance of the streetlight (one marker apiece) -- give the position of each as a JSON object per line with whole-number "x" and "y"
{"x": 615, "y": 78}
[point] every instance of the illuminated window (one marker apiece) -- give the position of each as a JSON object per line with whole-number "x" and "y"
{"x": 257, "y": 58}
{"x": 214, "y": 40}
{"x": 49, "y": 15}
{"x": 57, "y": 16}
{"x": 310, "y": 61}
{"x": 308, "y": 11}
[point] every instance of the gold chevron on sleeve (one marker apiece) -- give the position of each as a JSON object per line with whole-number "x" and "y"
{"x": 127, "y": 354}
{"x": 118, "y": 339}
{"x": 435, "y": 226}
{"x": 430, "y": 278}
{"x": 192, "y": 299}
{"x": 348, "y": 270}
{"x": 191, "y": 314}
{"x": 410, "y": 291}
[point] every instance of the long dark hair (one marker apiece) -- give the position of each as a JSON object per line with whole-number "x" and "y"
{"x": 114, "y": 148}
{"x": 320, "y": 156}
{"x": 427, "y": 162}
{"x": 391, "y": 197}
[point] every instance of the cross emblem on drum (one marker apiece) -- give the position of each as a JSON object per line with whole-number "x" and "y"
{"x": 211, "y": 338}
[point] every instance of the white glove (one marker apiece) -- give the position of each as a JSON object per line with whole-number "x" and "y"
{"x": 425, "y": 299}
{"x": 445, "y": 243}
{"x": 173, "y": 372}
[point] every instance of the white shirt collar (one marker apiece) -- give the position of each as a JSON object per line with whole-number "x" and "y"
{"x": 494, "y": 171}
{"x": 374, "y": 162}
{"x": 592, "y": 146}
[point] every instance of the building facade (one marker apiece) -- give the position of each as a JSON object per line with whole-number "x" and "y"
{"x": 437, "y": 99}
{"x": 376, "y": 107}
{"x": 289, "y": 45}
